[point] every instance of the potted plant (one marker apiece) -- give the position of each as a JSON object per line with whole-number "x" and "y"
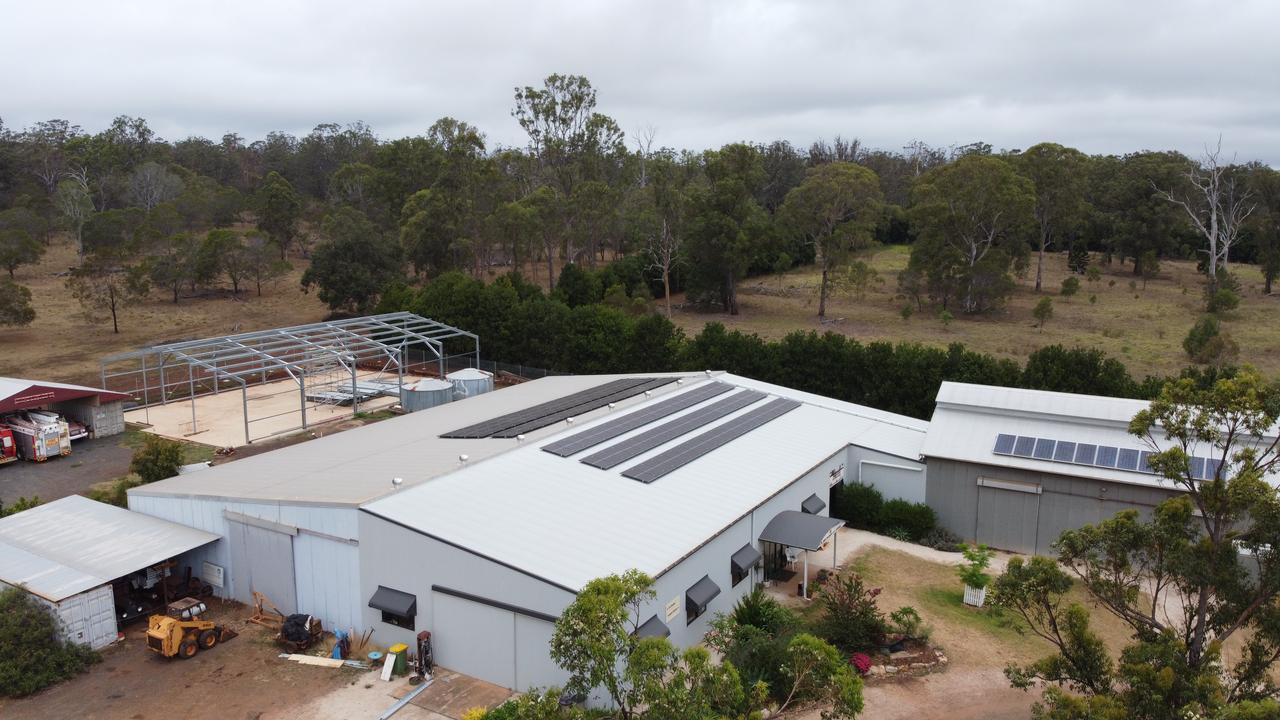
{"x": 973, "y": 573}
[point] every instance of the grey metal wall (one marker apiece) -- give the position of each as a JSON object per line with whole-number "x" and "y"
{"x": 893, "y": 476}
{"x": 467, "y": 636}
{"x": 262, "y": 561}
{"x": 510, "y": 649}
{"x": 1025, "y": 522}
{"x": 325, "y": 550}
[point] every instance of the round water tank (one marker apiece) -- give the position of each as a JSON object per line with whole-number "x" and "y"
{"x": 427, "y": 394}
{"x": 470, "y": 381}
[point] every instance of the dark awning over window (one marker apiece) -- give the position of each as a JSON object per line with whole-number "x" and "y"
{"x": 813, "y": 505}
{"x": 746, "y": 558}
{"x": 801, "y": 530}
{"x": 653, "y": 627}
{"x": 702, "y": 593}
{"x": 394, "y": 602}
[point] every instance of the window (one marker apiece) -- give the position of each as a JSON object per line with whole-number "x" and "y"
{"x": 698, "y": 597}
{"x": 397, "y": 620}
{"x": 741, "y": 562}
{"x": 398, "y": 608}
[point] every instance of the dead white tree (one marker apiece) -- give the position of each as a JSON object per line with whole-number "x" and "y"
{"x": 152, "y": 184}
{"x": 75, "y": 202}
{"x": 1216, "y": 206}
{"x": 664, "y": 248}
{"x": 644, "y": 148}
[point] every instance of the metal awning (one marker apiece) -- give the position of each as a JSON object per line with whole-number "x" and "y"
{"x": 653, "y": 627}
{"x": 746, "y": 558}
{"x": 701, "y": 594}
{"x": 802, "y": 530}
{"x": 394, "y": 602}
{"x": 813, "y": 505}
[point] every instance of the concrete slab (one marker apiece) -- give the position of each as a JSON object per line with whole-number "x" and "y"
{"x": 453, "y": 694}
{"x": 274, "y": 409}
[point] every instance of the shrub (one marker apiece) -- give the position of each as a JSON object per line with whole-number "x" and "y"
{"x": 859, "y": 505}
{"x": 861, "y": 662}
{"x": 1070, "y": 286}
{"x": 905, "y": 621}
{"x": 916, "y": 519}
{"x": 942, "y": 539}
{"x": 973, "y": 572}
{"x": 758, "y": 609}
{"x": 850, "y": 618}
{"x": 157, "y": 459}
{"x": 1093, "y": 274}
{"x": 1206, "y": 343}
{"x": 18, "y": 506}
{"x": 907, "y": 311}
{"x": 1221, "y": 300}
{"x": 946, "y": 317}
{"x": 1043, "y": 311}
{"x": 33, "y": 652}
{"x": 897, "y": 533}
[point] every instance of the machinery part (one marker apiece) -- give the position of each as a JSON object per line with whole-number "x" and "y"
{"x": 208, "y": 638}
{"x": 187, "y": 648}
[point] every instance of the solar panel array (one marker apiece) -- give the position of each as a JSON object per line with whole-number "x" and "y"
{"x": 694, "y": 448}
{"x": 1103, "y": 456}
{"x": 650, "y": 439}
{"x": 549, "y": 413}
{"x": 637, "y": 419}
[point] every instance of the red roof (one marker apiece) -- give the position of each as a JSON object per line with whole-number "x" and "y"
{"x": 19, "y": 394}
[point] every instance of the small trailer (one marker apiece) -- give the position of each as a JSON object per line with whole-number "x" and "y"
{"x": 8, "y": 448}
{"x": 37, "y": 441}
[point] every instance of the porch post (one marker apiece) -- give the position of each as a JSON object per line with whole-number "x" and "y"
{"x": 805, "y": 582}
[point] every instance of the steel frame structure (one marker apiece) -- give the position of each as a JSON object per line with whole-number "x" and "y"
{"x": 299, "y": 352}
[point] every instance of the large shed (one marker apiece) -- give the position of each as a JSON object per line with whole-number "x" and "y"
{"x": 69, "y": 553}
{"x": 1014, "y": 468}
{"x": 101, "y": 411}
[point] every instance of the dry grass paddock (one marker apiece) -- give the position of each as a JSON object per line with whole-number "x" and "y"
{"x": 1142, "y": 327}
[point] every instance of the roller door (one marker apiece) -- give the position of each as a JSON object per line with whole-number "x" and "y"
{"x": 1008, "y": 514}
{"x": 507, "y": 647}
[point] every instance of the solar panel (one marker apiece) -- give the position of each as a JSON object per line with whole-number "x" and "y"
{"x": 1197, "y": 468}
{"x": 1065, "y": 451}
{"x": 1085, "y": 453}
{"x": 1127, "y": 459}
{"x": 544, "y": 414}
{"x": 1044, "y": 449}
{"x": 1004, "y": 444}
{"x": 644, "y": 442}
{"x": 1211, "y": 468}
{"x": 1106, "y": 456}
{"x": 1143, "y": 465}
{"x": 607, "y": 431}
{"x": 1024, "y": 446}
{"x": 694, "y": 448}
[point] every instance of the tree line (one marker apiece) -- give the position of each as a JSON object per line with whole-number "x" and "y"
{"x": 580, "y": 192}
{"x": 579, "y": 329}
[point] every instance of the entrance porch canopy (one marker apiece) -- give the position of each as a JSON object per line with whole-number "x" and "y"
{"x": 799, "y": 530}
{"x": 796, "y": 529}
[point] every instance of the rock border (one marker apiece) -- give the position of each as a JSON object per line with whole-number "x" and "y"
{"x": 888, "y": 670}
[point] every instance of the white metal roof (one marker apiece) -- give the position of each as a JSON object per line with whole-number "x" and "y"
{"x": 70, "y": 545}
{"x": 968, "y": 417}
{"x": 356, "y": 466}
{"x": 568, "y": 522}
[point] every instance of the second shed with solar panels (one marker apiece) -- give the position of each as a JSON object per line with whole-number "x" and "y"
{"x": 1014, "y": 468}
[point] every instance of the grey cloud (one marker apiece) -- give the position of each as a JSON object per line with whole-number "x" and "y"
{"x": 1103, "y": 76}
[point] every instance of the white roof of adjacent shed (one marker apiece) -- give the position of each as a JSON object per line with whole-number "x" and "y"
{"x": 357, "y": 465}
{"x": 968, "y": 417}
{"x": 65, "y": 547}
{"x": 567, "y": 522}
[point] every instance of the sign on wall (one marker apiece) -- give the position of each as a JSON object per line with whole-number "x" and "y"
{"x": 835, "y": 476}
{"x": 673, "y": 609}
{"x": 211, "y": 574}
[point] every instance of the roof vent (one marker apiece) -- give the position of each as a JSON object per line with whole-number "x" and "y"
{"x": 463, "y": 459}
{"x": 613, "y": 405}
{"x": 569, "y": 420}
{"x": 397, "y": 482}
{"x": 520, "y": 438}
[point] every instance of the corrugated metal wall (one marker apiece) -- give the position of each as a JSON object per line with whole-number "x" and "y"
{"x": 1025, "y": 522}
{"x": 326, "y": 569}
{"x": 896, "y": 478}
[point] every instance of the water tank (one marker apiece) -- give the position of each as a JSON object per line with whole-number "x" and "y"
{"x": 427, "y": 394}
{"x": 470, "y": 381}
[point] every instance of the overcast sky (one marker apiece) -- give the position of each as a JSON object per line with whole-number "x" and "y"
{"x": 1103, "y": 76}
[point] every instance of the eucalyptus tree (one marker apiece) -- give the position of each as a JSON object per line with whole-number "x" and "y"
{"x": 727, "y": 226}
{"x": 1058, "y": 174}
{"x": 834, "y": 209}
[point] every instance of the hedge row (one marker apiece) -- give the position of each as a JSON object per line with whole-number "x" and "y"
{"x": 519, "y": 324}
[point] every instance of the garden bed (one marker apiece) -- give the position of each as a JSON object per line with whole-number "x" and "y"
{"x": 915, "y": 657}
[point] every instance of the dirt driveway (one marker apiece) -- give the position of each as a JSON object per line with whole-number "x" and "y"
{"x": 241, "y": 680}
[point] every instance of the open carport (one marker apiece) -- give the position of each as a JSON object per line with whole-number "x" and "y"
{"x": 76, "y": 555}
